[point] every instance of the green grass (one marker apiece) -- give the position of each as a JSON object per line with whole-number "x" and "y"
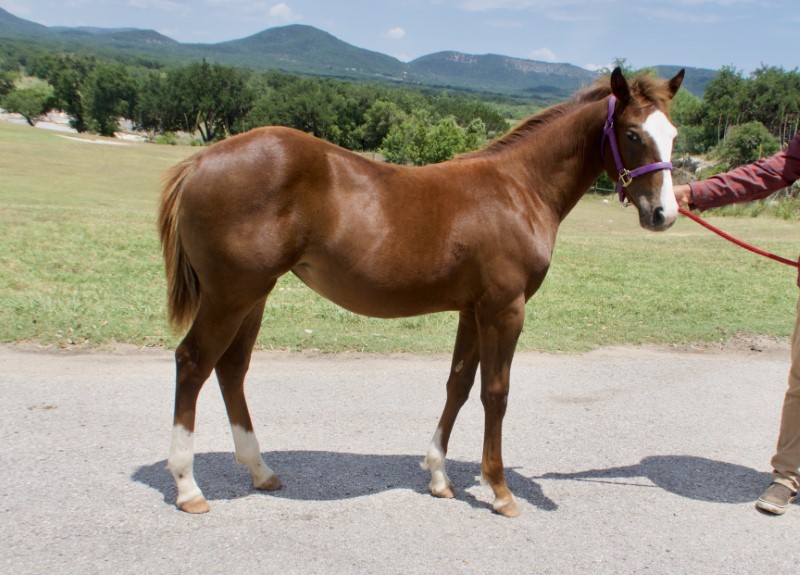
{"x": 785, "y": 209}
{"x": 80, "y": 265}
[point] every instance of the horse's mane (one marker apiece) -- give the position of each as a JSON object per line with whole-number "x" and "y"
{"x": 644, "y": 86}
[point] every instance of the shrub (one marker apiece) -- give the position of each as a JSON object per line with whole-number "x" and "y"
{"x": 745, "y": 144}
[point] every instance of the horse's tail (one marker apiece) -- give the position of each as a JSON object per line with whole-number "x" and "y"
{"x": 183, "y": 286}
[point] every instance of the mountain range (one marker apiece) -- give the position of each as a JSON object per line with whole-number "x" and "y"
{"x": 301, "y": 49}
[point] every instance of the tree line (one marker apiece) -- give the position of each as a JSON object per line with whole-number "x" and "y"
{"x": 216, "y": 101}
{"x": 739, "y": 119}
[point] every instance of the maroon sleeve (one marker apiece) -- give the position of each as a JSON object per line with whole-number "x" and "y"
{"x": 751, "y": 182}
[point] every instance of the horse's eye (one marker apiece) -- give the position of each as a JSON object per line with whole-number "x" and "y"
{"x": 633, "y": 136}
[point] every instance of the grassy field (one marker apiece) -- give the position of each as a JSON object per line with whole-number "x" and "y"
{"x": 80, "y": 266}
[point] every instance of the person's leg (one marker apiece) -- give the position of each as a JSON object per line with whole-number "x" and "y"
{"x": 786, "y": 460}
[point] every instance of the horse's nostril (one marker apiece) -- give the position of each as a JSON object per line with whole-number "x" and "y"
{"x": 658, "y": 217}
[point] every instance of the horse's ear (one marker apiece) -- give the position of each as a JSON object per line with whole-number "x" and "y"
{"x": 619, "y": 86}
{"x": 674, "y": 84}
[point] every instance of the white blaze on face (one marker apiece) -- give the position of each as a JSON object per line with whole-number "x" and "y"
{"x": 663, "y": 134}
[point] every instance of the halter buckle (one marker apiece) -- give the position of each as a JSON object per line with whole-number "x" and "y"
{"x": 625, "y": 177}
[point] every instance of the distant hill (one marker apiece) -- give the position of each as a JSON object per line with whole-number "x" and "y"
{"x": 307, "y": 50}
{"x": 11, "y": 26}
{"x": 504, "y": 74}
{"x": 122, "y": 38}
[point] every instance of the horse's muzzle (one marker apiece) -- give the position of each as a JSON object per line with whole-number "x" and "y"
{"x": 656, "y": 220}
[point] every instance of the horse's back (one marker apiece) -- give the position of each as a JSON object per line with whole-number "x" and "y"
{"x": 257, "y": 163}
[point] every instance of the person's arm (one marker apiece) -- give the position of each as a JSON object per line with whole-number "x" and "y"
{"x": 745, "y": 183}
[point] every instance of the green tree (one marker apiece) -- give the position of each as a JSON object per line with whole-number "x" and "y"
{"x": 150, "y": 110}
{"x": 262, "y": 112}
{"x": 6, "y": 82}
{"x": 475, "y": 135}
{"x": 465, "y": 110}
{"x": 324, "y": 108}
{"x": 209, "y": 98}
{"x": 31, "y": 102}
{"x": 443, "y": 140}
{"x": 109, "y": 95}
{"x": 773, "y": 98}
{"x": 361, "y": 116}
{"x": 687, "y": 114}
{"x": 406, "y": 141}
{"x": 307, "y": 105}
{"x": 723, "y": 103}
{"x": 378, "y": 121}
{"x": 421, "y": 139}
{"x": 67, "y": 74}
{"x": 769, "y": 96}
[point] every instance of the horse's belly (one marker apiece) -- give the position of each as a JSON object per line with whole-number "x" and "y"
{"x": 375, "y": 298}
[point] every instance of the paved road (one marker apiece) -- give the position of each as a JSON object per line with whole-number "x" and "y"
{"x": 624, "y": 461}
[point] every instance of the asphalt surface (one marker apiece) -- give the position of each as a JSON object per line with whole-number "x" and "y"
{"x": 624, "y": 461}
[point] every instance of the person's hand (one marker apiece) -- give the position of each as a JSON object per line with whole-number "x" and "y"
{"x": 683, "y": 195}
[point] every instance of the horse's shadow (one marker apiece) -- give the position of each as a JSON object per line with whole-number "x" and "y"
{"x": 685, "y": 475}
{"x": 330, "y": 476}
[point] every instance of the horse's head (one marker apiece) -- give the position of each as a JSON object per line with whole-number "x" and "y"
{"x": 638, "y": 146}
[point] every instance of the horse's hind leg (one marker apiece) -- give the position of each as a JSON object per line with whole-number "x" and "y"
{"x": 459, "y": 384}
{"x": 210, "y": 335}
{"x": 231, "y": 370}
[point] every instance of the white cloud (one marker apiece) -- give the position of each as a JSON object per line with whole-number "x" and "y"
{"x": 720, "y": 2}
{"x": 396, "y": 33}
{"x": 282, "y": 13}
{"x": 492, "y": 5}
{"x": 504, "y": 24}
{"x": 161, "y": 5}
{"x": 685, "y": 16}
{"x": 544, "y": 55}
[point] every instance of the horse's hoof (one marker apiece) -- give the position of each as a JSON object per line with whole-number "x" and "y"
{"x": 196, "y": 505}
{"x": 506, "y": 508}
{"x": 445, "y": 493}
{"x": 271, "y": 483}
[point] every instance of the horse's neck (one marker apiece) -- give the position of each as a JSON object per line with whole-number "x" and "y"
{"x": 565, "y": 158}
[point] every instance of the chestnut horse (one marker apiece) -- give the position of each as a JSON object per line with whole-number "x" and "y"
{"x": 473, "y": 235}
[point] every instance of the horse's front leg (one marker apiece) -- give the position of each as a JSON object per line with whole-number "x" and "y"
{"x": 459, "y": 384}
{"x": 499, "y": 331}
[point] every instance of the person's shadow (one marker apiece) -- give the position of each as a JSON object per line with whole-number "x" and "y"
{"x": 329, "y": 476}
{"x": 685, "y": 475}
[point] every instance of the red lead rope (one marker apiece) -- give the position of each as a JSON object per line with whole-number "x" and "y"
{"x": 739, "y": 243}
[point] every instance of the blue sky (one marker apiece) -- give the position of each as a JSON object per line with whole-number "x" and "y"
{"x": 587, "y": 33}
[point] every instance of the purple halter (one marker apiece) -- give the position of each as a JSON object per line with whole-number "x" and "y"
{"x": 625, "y": 176}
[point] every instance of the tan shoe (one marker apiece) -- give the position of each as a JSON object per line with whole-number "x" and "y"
{"x": 776, "y": 498}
